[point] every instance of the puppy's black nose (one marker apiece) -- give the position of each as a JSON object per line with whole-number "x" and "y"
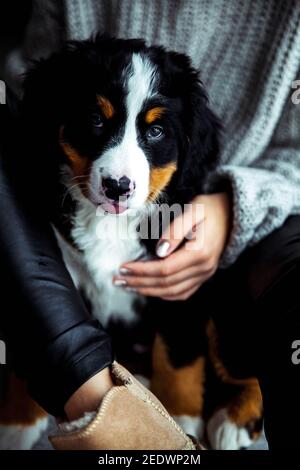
{"x": 114, "y": 188}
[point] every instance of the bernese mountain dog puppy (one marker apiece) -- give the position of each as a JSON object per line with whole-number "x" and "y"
{"x": 116, "y": 130}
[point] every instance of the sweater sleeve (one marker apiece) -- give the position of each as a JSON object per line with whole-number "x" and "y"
{"x": 267, "y": 192}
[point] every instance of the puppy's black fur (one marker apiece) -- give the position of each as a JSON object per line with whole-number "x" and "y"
{"x": 61, "y": 90}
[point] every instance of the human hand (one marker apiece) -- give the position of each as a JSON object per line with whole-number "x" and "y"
{"x": 89, "y": 396}
{"x": 178, "y": 274}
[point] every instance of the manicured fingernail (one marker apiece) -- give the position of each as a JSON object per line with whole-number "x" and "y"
{"x": 125, "y": 271}
{"x": 130, "y": 289}
{"x": 162, "y": 249}
{"x": 120, "y": 282}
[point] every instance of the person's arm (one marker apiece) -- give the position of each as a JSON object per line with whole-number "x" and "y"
{"x": 52, "y": 342}
{"x": 268, "y": 192}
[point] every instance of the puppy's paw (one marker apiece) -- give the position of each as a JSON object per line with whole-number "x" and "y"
{"x": 21, "y": 437}
{"x": 194, "y": 426}
{"x": 224, "y": 434}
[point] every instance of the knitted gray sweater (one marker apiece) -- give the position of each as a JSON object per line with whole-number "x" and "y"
{"x": 249, "y": 56}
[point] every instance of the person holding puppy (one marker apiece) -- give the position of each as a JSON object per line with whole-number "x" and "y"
{"x": 249, "y": 58}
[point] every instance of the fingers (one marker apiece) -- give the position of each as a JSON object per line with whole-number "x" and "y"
{"x": 184, "y": 295}
{"x": 176, "y": 262}
{"x": 161, "y": 281}
{"x": 176, "y": 290}
{"x": 182, "y": 227}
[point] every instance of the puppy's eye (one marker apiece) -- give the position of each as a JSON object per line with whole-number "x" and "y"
{"x": 97, "y": 120}
{"x": 155, "y": 133}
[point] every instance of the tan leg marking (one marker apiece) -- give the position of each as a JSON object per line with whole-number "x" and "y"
{"x": 17, "y": 407}
{"x": 247, "y": 405}
{"x": 180, "y": 390}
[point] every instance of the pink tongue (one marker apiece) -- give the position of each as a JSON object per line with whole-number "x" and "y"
{"x": 114, "y": 208}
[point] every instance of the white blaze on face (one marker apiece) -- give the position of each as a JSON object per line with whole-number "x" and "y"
{"x": 127, "y": 158}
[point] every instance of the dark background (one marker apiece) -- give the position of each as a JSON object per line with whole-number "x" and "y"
{"x": 14, "y": 15}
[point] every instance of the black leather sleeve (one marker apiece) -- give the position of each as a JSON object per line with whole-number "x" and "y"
{"x": 51, "y": 340}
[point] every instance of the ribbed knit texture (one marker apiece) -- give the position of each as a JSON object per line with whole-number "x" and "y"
{"x": 248, "y": 54}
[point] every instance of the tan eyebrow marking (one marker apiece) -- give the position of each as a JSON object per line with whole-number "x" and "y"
{"x": 106, "y": 107}
{"x": 153, "y": 114}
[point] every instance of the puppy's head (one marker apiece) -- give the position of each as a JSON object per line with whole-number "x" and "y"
{"x": 129, "y": 122}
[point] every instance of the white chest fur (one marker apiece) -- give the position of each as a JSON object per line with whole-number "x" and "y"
{"x": 105, "y": 242}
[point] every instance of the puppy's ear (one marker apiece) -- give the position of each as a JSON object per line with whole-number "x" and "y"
{"x": 47, "y": 88}
{"x": 201, "y": 155}
{"x": 201, "y": 128}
